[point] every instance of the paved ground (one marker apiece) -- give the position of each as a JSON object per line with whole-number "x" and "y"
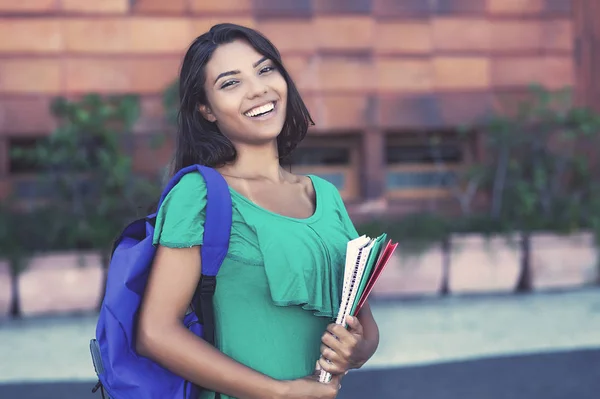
{"x": 543, "y": 346}
{"x": 568, "y": 375}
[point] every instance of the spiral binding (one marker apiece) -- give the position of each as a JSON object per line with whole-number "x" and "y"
{"x": 349, "y": 293}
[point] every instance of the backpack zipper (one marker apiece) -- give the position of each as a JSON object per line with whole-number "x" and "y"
{"x": 103, "y": 389}
{"x": 191, "y": 323}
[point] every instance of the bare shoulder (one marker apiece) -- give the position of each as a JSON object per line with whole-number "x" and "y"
{"x": 305, "y": 182}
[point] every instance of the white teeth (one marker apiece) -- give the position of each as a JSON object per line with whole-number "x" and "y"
{"x": 260, "y": 110}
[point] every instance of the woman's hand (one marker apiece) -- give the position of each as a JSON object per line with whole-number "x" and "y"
{"x": 310, "y": 388}
{"x": 344, "y": 349}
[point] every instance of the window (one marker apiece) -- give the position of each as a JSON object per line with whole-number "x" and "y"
{"x": 422, "y": 164}
{"x": 24, "y": 174}
{"x": 333, "y": 158}
{"x": 19, "y": 165}
{"x": 423, "y": 153}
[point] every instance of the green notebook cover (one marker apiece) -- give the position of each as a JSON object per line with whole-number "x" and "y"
{"x": 371, "y": 261}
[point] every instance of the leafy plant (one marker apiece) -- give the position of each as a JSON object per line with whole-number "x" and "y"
{"x": 415, "y": 233}
{"x": 23, "y": 232}
{"x": 171, "y": 102}
{"x": 539, "y": 171}
{"x": 87, "y": 175}
{"x": 466, "y": 182}
{"x": 539, "y": 168}
{"x": 14, "y": 251}
{"x": 542, "y": 162}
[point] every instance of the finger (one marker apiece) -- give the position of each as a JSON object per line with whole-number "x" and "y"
{"x": 331, "y": 355}
{"x": 336, "y": 380}
{"x": 332, "y": 342}
{"x": 343, "y": 347}
{"x": 354, "y": 324}
{"x": 339, "y": 332}
{"x": 332, "y": 368}
{"x": 333, "y": 328}
{"x": 316, "y": 373}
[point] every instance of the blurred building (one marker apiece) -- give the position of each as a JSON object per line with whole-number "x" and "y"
{"x": 378, "y": 75}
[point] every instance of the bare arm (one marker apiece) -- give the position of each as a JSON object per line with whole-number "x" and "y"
{"x": 370, "y": 328}
{"x": 162, "y": 337}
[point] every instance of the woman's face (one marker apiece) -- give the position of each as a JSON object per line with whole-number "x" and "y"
{"x": 247, "y": 96}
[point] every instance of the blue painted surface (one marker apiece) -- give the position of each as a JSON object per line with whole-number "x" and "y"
{"x": 418, "y": 180}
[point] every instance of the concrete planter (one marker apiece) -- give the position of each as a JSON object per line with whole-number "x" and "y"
{"x": 559, "y": 261}
{"x": 480, "y": 264}
{"x": 406, "y": 276}
{"x": 72, "y": 281}
{"x": 55, "y": 283}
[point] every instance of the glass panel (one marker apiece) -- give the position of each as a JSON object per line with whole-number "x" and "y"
{"x": 18, "y": 165}
{"x": 423, "y": 154}
{"x": 419, "y": 180}
{"x": 35, "y": 187}
{"x": 323, "y": 156}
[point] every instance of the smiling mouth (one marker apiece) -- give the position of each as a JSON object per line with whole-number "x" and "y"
{"x": 261, "y": 110}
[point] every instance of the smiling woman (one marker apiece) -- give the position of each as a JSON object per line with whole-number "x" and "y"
{"x": 245, "y": 71}
{"x": 278, "y": 289}
{"x": 246, "y": 101}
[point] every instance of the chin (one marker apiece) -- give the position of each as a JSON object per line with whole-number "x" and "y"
{"x": 266, "y": 135}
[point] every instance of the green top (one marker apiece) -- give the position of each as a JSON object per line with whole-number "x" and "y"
{"x": 280, "y": 283}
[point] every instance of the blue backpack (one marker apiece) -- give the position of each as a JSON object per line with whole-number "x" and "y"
{"x": 122, "y": 373}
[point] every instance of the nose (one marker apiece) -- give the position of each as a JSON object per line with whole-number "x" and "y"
{"x": 256, "y": 88}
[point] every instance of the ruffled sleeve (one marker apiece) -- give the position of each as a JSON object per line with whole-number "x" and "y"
{"x": 180, "y": 219}
{"x": 304, "y": 261}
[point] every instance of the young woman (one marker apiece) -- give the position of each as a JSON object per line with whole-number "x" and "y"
{"x": 279, "y": 287}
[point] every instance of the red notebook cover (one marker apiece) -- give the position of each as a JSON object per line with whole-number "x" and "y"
{"x": 385, "y": 256}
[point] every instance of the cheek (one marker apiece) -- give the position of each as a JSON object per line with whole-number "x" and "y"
{"x": 226, "y": 106}
{"x": 280, "y": 85}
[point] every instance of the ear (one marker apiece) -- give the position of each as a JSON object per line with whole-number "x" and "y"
{"x": 207, "y": 113}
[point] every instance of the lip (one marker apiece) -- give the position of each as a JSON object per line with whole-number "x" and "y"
{"x": 260, "y": 105}
{"x": 270, "y": 115}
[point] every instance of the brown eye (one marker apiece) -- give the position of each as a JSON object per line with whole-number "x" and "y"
{"x": 267, "y": 69}
{"x": 228, "y": 84}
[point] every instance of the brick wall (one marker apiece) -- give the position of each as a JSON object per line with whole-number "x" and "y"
{"x": 378, "y": 64}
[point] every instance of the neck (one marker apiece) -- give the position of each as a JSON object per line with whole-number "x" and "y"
{"x": 253, "y": 162}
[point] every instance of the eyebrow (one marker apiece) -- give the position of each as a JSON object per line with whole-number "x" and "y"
{"x": 235, "y": 72}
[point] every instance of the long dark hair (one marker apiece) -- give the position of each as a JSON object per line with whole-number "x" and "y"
{"x": 200, "y": 141}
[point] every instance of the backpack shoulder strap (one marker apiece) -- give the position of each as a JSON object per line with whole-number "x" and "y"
{"x": 217, "y": 229}
{"x": 217, "y": 225}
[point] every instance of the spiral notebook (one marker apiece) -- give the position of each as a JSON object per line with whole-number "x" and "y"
{"x": 365, "y": 259}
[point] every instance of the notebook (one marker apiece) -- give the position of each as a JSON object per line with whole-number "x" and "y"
{"x": 365, "y": 260}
